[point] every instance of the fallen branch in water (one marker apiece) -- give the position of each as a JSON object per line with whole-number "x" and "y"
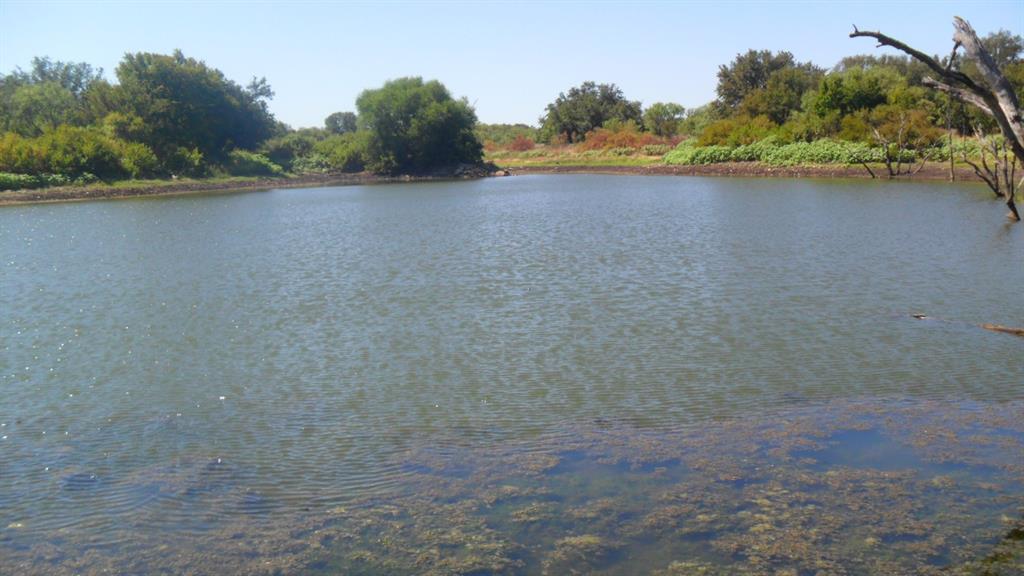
{"x": 1004, "y": 329}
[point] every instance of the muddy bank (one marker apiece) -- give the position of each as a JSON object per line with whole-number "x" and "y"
{"x": 931, "y": 172}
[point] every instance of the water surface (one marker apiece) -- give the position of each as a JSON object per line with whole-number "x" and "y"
{"x": 185, "y": 366}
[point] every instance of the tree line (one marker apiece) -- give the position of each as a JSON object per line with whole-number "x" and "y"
{"x": 172, "y": 115}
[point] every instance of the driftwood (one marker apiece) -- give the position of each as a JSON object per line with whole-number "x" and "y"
{"x": 1004, "y": 329}
{"x": 991, "y": 93}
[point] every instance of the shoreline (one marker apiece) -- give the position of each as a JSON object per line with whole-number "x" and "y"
{"x": 931, "y": 172}
{"x": 190, "y": 187}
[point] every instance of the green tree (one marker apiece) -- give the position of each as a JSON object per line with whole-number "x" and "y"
{"x": 415, "y": 126}
{"x": 186, "y": 105}
{"x": 341, "y": 123}
{"x": 33, "y": 108}
{"x": 585, "y": 108}
{"x": 782, "y": 95}
{"x": 663, "y": 118}
{"x": 747, "y": 73}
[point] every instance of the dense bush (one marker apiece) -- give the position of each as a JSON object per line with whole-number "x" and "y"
{"x": 244, "y": 163}
{"x": 310, "y": 164}
{"x": 688, "y": 153}
{"x": 10, "y": 181}
{"x": 287, "y": 149}
{"x": 185, "y": 162}
{"x": 66, "y": 150}
{"x": 616, "y": 134}
{"x": 138, "y": 160}
{"x": 772, "y": 151}
{"x": 655, "y": 149}
{"x": 344, "y": 152}
{"x": 521, "y": 144}
{"x": 414, "y": 126}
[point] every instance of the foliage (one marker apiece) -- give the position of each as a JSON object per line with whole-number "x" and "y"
{"x": 9, "y": 181}
{"x": 138, "y": 161}
{"x": 773, "y": 151}
{"x": 66, "y": 150}
{"x": 617, "y": 134}
{"x": 752, "y": 72}
{"x": 585, "y": 108}
{"x": 782, "y": 95}
{"x": 341, "y": 123}
{"x": 663, "y": 118}
{"x": 688, "y": 153}
{"x": 183, "y": 103}
{"x": 244, "y": 163}
{"x": 496, "y": 136}
{"x": 343, "y": 152}
{"x": 521, "y": 144}
{"x": 414, "y": 126}
{"x": 737, "y": 130}
{"x": 287, "y": 149}
{"x": 185, "y": 162}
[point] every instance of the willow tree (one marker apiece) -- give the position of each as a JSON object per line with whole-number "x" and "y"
{"x": 989, "y": 91}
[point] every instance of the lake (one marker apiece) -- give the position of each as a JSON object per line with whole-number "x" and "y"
{"x": 529, "y": 375}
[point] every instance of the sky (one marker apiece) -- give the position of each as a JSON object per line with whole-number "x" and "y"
{"x": 508, "y": 59}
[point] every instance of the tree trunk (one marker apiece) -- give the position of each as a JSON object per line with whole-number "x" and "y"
{"x": 992, "y": 93}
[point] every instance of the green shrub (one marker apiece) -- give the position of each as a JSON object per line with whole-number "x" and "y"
{"x": 9, "y": 181}
{"x": 687, "y": 153}
{"x": 311, "y": 163}
{"x": 344, "y": 152}
{"x": 185, "y": 162}
{"x": 655, "y": 149}
{"x": 138, "y": 161}
{"x": 286, "y": 150}
{"x": 621, "y": 151}
{"x": 245, "y": 163}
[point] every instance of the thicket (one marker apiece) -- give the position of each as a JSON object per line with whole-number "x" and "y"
{"x": 170, "y": 115}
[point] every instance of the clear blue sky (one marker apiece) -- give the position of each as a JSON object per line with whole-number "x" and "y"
{"x": 508, "y": 59}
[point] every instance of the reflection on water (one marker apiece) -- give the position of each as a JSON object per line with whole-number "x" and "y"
{"x": 525, "y": 375}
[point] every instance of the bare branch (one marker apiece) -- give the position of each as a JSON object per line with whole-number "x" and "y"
{"x": 953, "y": 76}
{"x": 959, "y": 93}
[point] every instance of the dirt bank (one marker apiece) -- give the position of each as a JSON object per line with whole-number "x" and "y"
{"x": 167, "y": 188}
{"x": 931, "y": 172}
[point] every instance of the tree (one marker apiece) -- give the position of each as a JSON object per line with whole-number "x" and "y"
{"x": 585, "y": 108}
{"x": 340, "y": 123}
{"x": 33, "y": 108}
{"x": 988, "y": 90}
{"x": 747, "y": 73}
{"x": 414, "y": 126}
{"x": 186, "y": 105}
{"x": 782, "y": 94}
{"x": 663, "y": 118}
{"x": 50, "y": 93}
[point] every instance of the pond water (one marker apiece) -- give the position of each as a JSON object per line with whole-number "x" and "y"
{"x": 528, "y": 375}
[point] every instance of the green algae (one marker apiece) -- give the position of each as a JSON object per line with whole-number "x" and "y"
{"x": 841, "y": 488}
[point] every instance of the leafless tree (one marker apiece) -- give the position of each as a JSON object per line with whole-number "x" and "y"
{"x": 991, "y": 92}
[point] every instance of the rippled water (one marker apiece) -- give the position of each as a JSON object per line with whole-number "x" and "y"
{"x": 286, "y": 351}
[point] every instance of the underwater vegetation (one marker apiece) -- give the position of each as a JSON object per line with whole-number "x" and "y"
{"x": 839, "y": 488}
